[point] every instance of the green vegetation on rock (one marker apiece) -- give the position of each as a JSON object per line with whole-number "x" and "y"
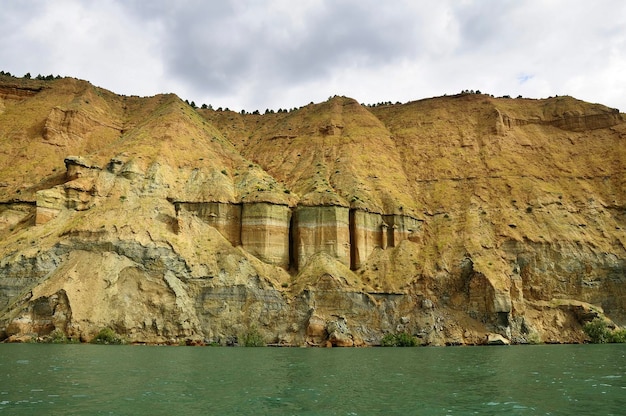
{"x": 599, "y": 332}
{"x": 58, "y": 337}
{"x": 401, "y": 339}
{"x": 107, "y": 336}
{"x": 253, "y": 338}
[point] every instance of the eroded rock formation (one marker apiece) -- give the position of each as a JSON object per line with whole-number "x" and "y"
{"x": 265, "y": 230}
{"x": 460, "y": 220}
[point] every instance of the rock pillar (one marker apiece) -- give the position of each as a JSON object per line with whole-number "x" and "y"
{"x": 383, "y": 235}
{"x": 49, "y": 203}
{"x": 400, "y": 228}
{"x": 265, "y": 232}
{"x": 225, "y": 218}
{"x": 366, "y": 234}
{"x": 321, "y": 229}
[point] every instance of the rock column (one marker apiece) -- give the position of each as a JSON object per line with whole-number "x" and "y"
{"x": 265, "y": 232}
{"x": 321, "y": 229}
{"x": 225, "y": 218}
{"x": 367, "y": 233}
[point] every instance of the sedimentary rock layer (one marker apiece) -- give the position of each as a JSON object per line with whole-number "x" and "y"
{"x": 265, "y": 232}
{"x": 323, "y": 229}
{"x": 225, "y": 218}
{"x": 460, "y": 220}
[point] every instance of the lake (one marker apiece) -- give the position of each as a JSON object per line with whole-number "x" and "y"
{"x": 146, "y": 380}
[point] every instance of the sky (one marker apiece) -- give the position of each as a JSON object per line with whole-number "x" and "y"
{"x": 254, "y": 54}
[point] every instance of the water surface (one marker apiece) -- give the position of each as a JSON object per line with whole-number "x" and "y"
{"x": 140, "y": 380}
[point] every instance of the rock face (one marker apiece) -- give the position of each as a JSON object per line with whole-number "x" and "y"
{"x": 265, "y": 230}
{"x": 323, "y": 229}
{"x": 460, "y": 220}
{"x": 225, "y": 218}
{"x": 367, "y": 232}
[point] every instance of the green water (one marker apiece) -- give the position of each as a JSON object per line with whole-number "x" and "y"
{"x": 133, "y": 380}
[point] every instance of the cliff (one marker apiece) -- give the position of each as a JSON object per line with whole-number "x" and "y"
{"x": 452, "y": 218}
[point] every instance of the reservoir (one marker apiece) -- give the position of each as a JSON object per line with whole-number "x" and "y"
{"x": 151, "y": 380}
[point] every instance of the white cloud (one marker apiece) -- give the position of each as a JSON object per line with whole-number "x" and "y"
{"x": 279, "y": 53}
{"x": 96, "y": 41}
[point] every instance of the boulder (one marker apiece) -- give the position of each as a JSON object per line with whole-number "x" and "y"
{"x": 338, "y": 333}
{"x": 496, "y": 339}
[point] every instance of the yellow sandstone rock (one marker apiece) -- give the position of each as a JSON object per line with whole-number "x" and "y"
{"x": 453, "y": 219}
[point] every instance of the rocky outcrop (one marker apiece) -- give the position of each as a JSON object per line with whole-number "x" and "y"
{"x": 12, "y": 214}
{"x": 572, "y": 122}
{"x": 50, "y": 202}
{"x": 323, "y": 229}
{"x": 497, "y": 339}
{"x": 558, "y": 114}
{"x": 64, "y": 126}
{"x": 77, "y": 167}
{"x": 371, "y": 230}
{"x": 458, "y": 220}
{"x": 18, "y": 92}
{"x": 225, "y": 218}
{"x": 84, "y": 184}
{"x": 265, "y": 230}
{"x": 368, "y": 231}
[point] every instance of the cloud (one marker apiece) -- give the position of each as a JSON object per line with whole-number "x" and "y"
{"x": 279, "y": 53}
{"x": 217, "y": 49}
{"x": 92, "y": 40}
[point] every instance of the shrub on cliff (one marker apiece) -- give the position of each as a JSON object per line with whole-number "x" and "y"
{"x": 58, "y": 337}
{"x": 107, "y": 336}
{"x": 401, "y": 339}
{"x": 596, "y": 330}
{"x": 253, "y": 338}
{"x": 599, "y": 333}
{"x": 618, "y": 336}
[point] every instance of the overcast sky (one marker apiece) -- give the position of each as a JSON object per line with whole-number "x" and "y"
{"x": 247, "y": 54}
